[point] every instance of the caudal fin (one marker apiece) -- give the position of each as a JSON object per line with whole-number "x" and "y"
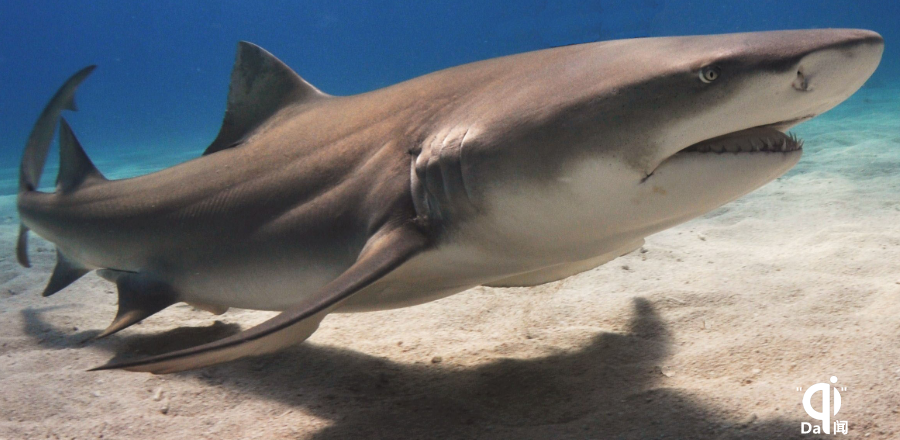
{"x": 38, "y": 144}
{"x": 35, "y": 156}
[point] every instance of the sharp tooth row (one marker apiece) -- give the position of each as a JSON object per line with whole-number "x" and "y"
{"x": 748, "y": 145}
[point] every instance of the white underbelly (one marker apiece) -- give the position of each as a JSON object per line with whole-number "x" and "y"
{"x": 451, "y": 269}
{"x": 270, "y": 286}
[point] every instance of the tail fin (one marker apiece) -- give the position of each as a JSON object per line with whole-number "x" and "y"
{"x": 38, "y": 144}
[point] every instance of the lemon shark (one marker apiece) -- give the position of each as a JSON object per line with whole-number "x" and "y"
{"x": 514, "y": 171}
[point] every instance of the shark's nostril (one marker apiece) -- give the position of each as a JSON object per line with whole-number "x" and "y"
{"x": 801, "y": 83}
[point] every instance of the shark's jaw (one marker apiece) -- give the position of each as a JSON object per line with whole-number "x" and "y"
{"x": 751, "y": 140}
{"x": 762, "y": 140}
{"x": 715, "y": 171}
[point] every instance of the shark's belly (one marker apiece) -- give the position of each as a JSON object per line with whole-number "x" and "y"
{"x": 269, "y": 286}
{"x": 280, "y": 285}
{"x": 457, "y": 267}
{"x": 492, "y": 249}
{"x": 429, "y": 276}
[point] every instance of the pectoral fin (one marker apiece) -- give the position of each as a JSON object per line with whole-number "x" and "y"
{"x": 385, "y": 252}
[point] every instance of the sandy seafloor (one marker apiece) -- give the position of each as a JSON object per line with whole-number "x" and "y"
{"x": 705, "y": 332}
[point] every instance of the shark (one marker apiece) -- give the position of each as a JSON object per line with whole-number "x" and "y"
{"x": 513, "y": 171}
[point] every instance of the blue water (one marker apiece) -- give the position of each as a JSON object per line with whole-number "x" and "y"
{"x": 160, "y": 88}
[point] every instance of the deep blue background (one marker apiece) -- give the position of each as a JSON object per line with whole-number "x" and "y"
{"x": 164, "y": 64}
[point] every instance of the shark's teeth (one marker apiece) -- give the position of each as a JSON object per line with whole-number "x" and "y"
{"x": 754, "y": 140}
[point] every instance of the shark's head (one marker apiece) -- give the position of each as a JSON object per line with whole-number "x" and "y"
{"x": 739, "y": 94}
{"x": 630, "y": 137}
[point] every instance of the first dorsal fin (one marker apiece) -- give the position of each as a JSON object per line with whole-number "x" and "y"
{"x": 260, "y": 86}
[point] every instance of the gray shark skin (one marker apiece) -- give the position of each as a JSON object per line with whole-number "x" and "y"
{"x": 513, "y": 171}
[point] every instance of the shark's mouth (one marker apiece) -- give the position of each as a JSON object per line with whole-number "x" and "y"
{"x": 766, "y": 139}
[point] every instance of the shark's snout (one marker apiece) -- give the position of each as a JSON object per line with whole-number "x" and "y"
{"x": 836, "y": 67}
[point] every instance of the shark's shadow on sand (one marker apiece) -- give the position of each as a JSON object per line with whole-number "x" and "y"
{"x": 610, "y": 389}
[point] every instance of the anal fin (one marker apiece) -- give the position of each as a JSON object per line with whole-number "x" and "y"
{"x": 139, "y": 298}
{"x": 22, "y": 246}
{"x": 386, "y": 251}
{"x": 66, "y": 272}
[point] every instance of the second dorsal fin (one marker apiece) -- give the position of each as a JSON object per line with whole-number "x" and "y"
{"x": 260, "y": 86}
{"x": 75, "y": 167}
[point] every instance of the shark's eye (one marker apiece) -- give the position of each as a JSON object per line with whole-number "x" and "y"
{"x": 709, "y": 74}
